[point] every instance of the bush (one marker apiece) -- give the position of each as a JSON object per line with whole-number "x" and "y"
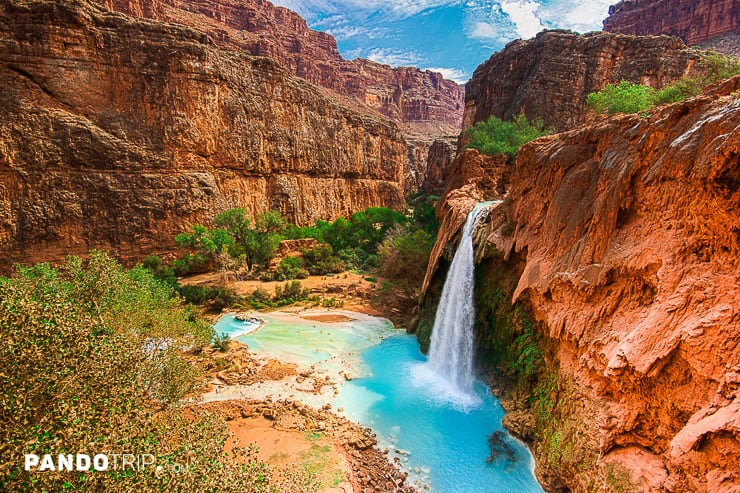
{"x": 191, "y": 264}
{"x": 496, "y": 136}
{"x": 683, "y": 89}
{"x": 290, "y": 268}
{"x": 160, "y": 270}
{"x": 624, "y": 97}
{"x": 217, "y": 298}
{"x": 85, "y": 370}
{"x": 320, "y": 260}
{"x": 404, "y": 255}
{"x": 290, "y": 293}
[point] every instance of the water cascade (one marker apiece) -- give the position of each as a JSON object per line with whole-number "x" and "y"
{"x": 451, "y": 350}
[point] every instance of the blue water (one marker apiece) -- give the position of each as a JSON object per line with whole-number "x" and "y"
{"x": 400, "y": 398}
{"x": 234, "y": 328}
{"x": 447, "y": 439}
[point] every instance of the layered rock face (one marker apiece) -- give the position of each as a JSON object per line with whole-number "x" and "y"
{"x": 439, "y": 159}
{"x": 120, "y": 132}
{"x": 694, "y": 21}
{"x": 624, "y": 237}
{"x": 549, "y": 76}
{"x": 405, "y": 94}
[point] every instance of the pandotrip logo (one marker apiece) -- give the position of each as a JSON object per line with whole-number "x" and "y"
{"x": 100, "y": 463}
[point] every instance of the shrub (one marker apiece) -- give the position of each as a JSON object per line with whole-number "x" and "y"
{"x": 217, "y": 298}
{"x": 290, "y": 293}
{"x": 496, "y": 136}
{"x": 320, "y": 260}
{"x": 682, "y": 89}
{"x": 290, "y": 268}
{"x": 160, "y": 270}
{"x": 81, "y": 374}
{"x": 191, "y": 264}
{"x": 624, "y": 97}
{"x": 405, "y": 254}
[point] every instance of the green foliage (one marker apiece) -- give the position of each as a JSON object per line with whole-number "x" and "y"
{"x": 425, "y": 212}
{"x": 719, "y": 67}
{"x": 526, "y": 356}
{"x": 363, "y": 231}
{"x": 289, "y": 293}
{"x": 191, "y": 264}
{"x": 320, "y": 260}
{"x": 160, "y": 270}
{"x": 542, "y": 400}
{"x": 496, "y": 136}
{"x": 332, "y": 303}
{"x": 91, "y": 363}
{"x": 682, "y": 89}
{"x": 290, "y": 268}
{"x": 217, "y": 297}
{"x": 624, "y": 97}
{"x": 346, "y": 243}
{"x": 404, "y": 255}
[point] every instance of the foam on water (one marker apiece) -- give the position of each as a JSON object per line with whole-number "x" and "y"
{"x": 231, "y": 326}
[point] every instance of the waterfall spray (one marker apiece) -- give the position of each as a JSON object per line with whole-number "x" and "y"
{"x": 451, "y": 350}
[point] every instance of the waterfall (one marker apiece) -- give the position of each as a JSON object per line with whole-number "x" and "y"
{"x": 451, "y": 350}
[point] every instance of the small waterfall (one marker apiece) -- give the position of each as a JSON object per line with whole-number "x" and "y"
{"x": 451, "y": 350}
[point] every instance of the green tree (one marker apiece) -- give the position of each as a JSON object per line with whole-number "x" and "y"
{"x": 207, "y": 243}
{"x": 495, "y": 136}
{"x": 624, "y": 97}
{"x": 404, "y": 254}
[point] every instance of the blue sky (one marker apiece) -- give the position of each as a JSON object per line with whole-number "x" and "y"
{"x": 450, "y": 36}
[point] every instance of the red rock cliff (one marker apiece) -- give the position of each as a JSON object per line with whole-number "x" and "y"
{"x": 694, "y": 21}
{"x": 624, "y": 238}
{"x": 405, "y": 94}
{"x": 549, "y": 76}
{"x": 119, "y": 132}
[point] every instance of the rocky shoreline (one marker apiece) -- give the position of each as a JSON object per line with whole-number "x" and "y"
{"x": 371, "y": 470}
{"x": 234, "y": 371}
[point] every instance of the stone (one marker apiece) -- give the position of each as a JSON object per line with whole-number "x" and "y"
{"x": 694, "y": 21}
{"x": 152, "y": 127}
{"x": 625, "y": 248}
{"x": 549, "y": 76}
{"x": 422, "y": 102}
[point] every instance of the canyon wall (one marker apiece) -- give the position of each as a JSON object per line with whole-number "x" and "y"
{"x": 424, "y": 103}
{"x": 119, "y": 132}
{"x": 549, "y": 76}
{"x": 617, "y": 249}
{"x": 405, "y": 94}
{"x": 694, "y": 21}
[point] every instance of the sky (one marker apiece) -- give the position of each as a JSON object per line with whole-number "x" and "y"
{"x": 449, "y": 36}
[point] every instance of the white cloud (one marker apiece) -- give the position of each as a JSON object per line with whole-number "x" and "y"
{"x": 393, "y": 9}
{"x": 393, "y": 57}
{"x": 457, "y": 75}
{"x": 483, "y": 30}
{"x": 522, "y": 14}
{"x": 581, "y": 16}
{"x": 342, "y": 33}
